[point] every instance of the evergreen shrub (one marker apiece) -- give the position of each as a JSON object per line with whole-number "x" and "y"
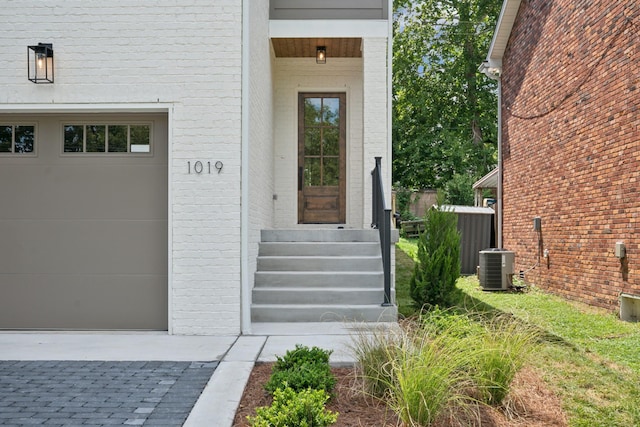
{"x": 434, "y": 277}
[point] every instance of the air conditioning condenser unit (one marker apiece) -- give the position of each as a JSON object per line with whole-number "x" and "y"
{"x": 496, "y": 269}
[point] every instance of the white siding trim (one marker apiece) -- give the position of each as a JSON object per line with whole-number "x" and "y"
{"x": 169, "y": 222}
{"x": 328, "y": 28}
{"x": 87, "y": 108}
{"x": 245, "y": 287}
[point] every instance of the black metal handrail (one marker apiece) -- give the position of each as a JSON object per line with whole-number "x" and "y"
{"x": 381, "y": 219}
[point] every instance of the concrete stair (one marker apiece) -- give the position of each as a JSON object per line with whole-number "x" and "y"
{"x": 319, "y": 275}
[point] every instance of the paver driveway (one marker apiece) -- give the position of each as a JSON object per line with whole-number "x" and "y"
{"x": 81, "y": 393}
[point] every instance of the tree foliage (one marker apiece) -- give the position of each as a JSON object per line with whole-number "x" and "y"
{"x": 445, "y": 109}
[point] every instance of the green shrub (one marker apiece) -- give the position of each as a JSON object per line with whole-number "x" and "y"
{"x": 459, "y": 189}
{"x": 302, "y": 368}
{"x": 316, "y": 376}
{"x": 438, "y": 267}
{"x": 290, "y": 408}
{"x": 301, "y": 355}
{"x": 403, "y": 203}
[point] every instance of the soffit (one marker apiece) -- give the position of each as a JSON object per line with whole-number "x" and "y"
{"x": 306, "y": 47}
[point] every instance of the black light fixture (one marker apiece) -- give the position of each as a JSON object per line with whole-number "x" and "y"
{"x": 40, "y": 63}
{"x": 321, "y": 55}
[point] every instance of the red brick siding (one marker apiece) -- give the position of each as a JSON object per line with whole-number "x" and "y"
{"x": 571, "y": 146}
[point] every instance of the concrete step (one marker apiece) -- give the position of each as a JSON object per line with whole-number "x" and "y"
{"x": 319, "y": 279}
{"x": 322, "y": 313}
{"x": 318, "y": 296}
{"x": 318, "y": 275}
{"x": 319, "y": 248}
{"x": 319, "y": 263}
{"x": 320, "y": 235}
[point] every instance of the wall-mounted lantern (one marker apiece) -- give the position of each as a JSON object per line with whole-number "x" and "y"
{"x": 40, "y": 63}
{"x": 321, "y": 55}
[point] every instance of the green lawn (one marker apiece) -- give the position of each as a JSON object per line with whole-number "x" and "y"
{"x": 588, "y": 356}
{"x": 404, "y": 270}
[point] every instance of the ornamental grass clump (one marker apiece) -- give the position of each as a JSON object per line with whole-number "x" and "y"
{"x": 429, "y": 380}
{"x": 443, "y": 364}
{"x": 505, "y": 347}
{"x": 374, "y": 353}
{"x": 417, "y": 372}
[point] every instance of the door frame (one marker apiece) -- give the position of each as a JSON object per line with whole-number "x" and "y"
{"x": 342, "y": 181}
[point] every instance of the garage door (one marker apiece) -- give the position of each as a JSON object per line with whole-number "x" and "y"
{"x": 83, "y": 221}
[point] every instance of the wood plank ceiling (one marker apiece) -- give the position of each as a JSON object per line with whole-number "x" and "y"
{"x": 306, "y": 48}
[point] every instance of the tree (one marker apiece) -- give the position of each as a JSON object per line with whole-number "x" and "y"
{"x": 444, "y": 109}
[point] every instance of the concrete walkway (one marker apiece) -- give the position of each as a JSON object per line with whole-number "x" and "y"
{"x": 219, "y": 400}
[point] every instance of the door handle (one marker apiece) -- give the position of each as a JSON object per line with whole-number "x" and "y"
{"x": 300, "y": 175}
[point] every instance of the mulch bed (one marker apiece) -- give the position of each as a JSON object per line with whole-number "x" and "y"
{"x": 531, "y": 404}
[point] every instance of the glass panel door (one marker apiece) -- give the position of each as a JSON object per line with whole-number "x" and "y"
{"x": 321, "y": 158}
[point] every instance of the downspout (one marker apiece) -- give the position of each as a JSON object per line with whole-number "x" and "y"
{"x": 245, "y": 292}
{"x": 390, "y": 100}
{"x": 494, "y": 71}
{"x": 499, "y": 190}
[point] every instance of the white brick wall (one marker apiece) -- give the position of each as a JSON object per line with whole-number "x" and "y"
{"x": 294, "y": 75}
{"x": 260, "y": 129}
{"x": 187, "y": 54}
{"x": 376, "y": 128}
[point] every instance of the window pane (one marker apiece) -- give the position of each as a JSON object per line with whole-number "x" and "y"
{"x": 312, "y": 176}
{"x": 73, "y": 138}
{"x": 331, "y": 171}
{"x": 312, "y": 111}
{"x": 95, "y": 138}
{"x": 312, "y": 142}
{"x": 24, "y": 139}
{"x": 331, "y": 111}
{"x": 140, "y": 138}
{"x": 330, "y": 141}
{"x": 117, "y": 139}
{"x": 6, "y": 137}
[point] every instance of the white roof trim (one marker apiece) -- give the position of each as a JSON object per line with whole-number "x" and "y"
{"x": 490, "y": 180}
{"x": 467, "y": 209}
{"x": 503, "y": 31}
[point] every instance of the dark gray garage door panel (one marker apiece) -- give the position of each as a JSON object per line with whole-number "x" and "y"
{"x": 84, "y": 302}
{"x": 84, "y": 238}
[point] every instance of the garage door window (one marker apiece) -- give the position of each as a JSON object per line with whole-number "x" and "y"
{"x": 107, "y": 138}
{"x": 17, "y": 138}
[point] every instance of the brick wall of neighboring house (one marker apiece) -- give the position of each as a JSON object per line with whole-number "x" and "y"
{"x": 571, "y": 146}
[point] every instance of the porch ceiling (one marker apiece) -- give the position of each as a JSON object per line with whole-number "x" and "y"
{"x": 306, "y": 47}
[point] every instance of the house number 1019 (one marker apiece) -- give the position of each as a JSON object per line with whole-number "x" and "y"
{"x": 200, "y": 167}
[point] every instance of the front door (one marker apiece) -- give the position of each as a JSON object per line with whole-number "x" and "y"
{"x": 321, "y": 158}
